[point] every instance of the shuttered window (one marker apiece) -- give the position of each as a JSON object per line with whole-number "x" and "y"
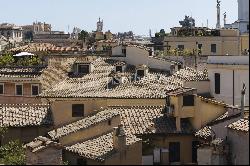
{"x": 217, "y": 83}
{"x": 188, "y": 100}
{"x": 174, "y": 151}
{"x": 77, "y": 110}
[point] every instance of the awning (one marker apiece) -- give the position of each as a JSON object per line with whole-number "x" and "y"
{"x": 24, "y": 54}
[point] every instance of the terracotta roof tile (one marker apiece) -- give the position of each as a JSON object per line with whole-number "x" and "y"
{"x": 98, "y": 148}
{"x": 17, "y": 115}
{"x": 240, "y": 125}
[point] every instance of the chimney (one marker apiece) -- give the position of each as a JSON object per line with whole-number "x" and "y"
{"x": 178, "y": 124}
{"x": 243, "y": 92}
{"x": 119, "y": 138}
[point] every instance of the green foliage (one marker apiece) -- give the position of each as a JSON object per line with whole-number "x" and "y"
{"x": 6, "y": 59}
{"x": 162, "y": 33}
{"x": 65, "y": 162}
{"x": 13, "y": 153}
{"x": 83, "y": 35}
{"x": 29, "y": 61}
{"x": 3, "y": 130}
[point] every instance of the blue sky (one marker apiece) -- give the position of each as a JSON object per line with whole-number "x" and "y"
{"x": 118, "y": 15}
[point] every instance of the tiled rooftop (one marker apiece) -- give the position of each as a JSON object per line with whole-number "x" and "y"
{"x": 98, "y": 148}
{"x": 82, "y": 124}
{"x": 21, "y": 115}
{"x": 21, "y": 72}
{"x": 204, "y": 133}
{"x": 34, "y": 47}
{"x": 240, "y": 125}
{"x": 40, "y": 143}
{"x": 135, "y": 119}
{"x": 95, "y": 84}
{"x": 148, "y": 119}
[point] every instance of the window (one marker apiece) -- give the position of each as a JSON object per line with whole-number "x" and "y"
{"x": 34, "y": 90}
{"x": 180, "y": 47}
{"x": 168, "y": 100}
{"x": 188, "y": 100}
{"x": 124, "y": 51}
{"x": 217, "y": 83}
{"x": 174, "y": 151}
{"x": 118, "y": 68}
{"x": 199, "y": 46}
{"x": 77, "y": 110}
{"x": 213, "y": 48}
{"x": 194, "y": 151}
{"x": 81, "y": 161}
{"x": 109, "y": 122}
{"x": 179, "y": 67}
{"x": 83, "y": 69}
{"x": 1, "y": 88}
{"x": 140, "y": 73}
{"x": 19, "y": 90}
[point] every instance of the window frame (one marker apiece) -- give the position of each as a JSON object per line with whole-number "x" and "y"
{"x": 73, "y": 112}
{"x": 182, "y": 47}
{"x": 138, "y": 71}
{"x": 120, "y": 67}
{"x": 2, "y": 84}
{"x": 212, "y": 51}
{"x": 217, "y": 85}
{"x": 16, "y": 89}
{"x": 78, "y": 65}
{"x": 175, "y": 151}
{"x": 188, "y": 105}
{"x": 38, "y": 90}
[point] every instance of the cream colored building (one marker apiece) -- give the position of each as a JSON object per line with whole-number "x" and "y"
{"x": 136, "y": 55}
{"x": 227, "y": 75}
{"x": 228, "y": 42}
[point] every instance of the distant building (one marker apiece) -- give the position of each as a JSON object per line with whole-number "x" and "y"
{"x": 243, "y": 17}
{"x": 99, "y": 34}
{"x": 75, "y": 33}
{"x": 39, "y": 27}
{"x": 99, "y": 25}
{"x": 210, "y": 42}
{"x": 12, "y": 32}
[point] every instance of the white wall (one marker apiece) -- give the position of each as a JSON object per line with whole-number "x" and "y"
{"x": 241, "y": 60}
{"x": 201, "y": 86}
{"x": 226, "y": 82}
{"x": 136, "y": 56}
{"x": 243, "y": 10}
{"x": 239, "y": 145}
{"x": 117, "y": 50}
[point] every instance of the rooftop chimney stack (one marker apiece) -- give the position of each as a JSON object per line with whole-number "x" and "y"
{"x": 243, "y": 92}
{"x": 119, "y": 138}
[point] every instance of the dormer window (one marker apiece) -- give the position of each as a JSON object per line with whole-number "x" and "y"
{"x": 118, "y": 69}
{"x": 124, "y": 51}
{"x": 82, "y": 69}
{"x": 140, "y": 73}
{"x": 120, "y": 66}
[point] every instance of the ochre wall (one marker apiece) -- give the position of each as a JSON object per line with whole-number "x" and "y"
{"x": 9, "y": 96}
{"x": 24, "y": 134}
{"x": 90, "y": 132}
{"x": 185, "y": 146}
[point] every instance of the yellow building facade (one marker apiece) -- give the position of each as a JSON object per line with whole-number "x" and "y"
{"x": 229, "y": 42}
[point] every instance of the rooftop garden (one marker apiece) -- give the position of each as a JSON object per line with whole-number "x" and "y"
{"x": 8, "y": 59}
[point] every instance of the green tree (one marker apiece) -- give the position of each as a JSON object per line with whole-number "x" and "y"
{"x": 6, "y": 59}
{"x": 83, "y": 35}
{"x": 13, "y": 153}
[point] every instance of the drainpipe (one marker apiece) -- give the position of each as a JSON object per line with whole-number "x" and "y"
{"x": 233, "y": 87}
{"x": 243, "y": 91}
